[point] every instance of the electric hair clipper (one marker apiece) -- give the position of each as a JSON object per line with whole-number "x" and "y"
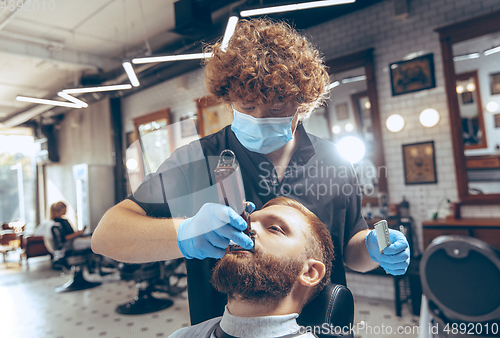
{"x": 231, "y": 191}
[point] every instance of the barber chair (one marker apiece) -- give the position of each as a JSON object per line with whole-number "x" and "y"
{"x": 330, "y": 314}
{"x": 149, "y": 278}
{"x": 70, "y": 260}
{"x": 461, "y": 279}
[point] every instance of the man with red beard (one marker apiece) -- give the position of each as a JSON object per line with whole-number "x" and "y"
{"x": 268, "y": 288}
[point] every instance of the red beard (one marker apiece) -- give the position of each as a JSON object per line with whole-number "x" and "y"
{"x": 256, "y": 277}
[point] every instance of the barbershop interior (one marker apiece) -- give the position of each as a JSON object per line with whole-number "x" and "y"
{"x": 96, "y": 95}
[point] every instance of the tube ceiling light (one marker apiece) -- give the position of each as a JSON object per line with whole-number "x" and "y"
{"x": 231, "y": 26}
{"x": 48, "y": 102}
{"x": 332, "y": 85}
{"x": 172, "y": 58}
{"x": 96, "y": 89}
{"x": 131, "y": 74}
{"x": 294, "y": 7}
{"x": 73, "y": 99}
{"x": 466, "y": 57}
{"x": 492, "y": 51}
{"x": 354, "y": 79}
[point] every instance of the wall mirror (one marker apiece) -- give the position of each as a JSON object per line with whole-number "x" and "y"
{"x": 352, "y": 110}
{"x": 470, "y": 61}
{"x": 155, "y": 139}
{"x": 471, "y": 110}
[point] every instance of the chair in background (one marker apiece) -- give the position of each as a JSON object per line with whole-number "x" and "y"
{"x": 73, "y": 261}
{"x": 461, "y": 279}
{"x": 149, "y": 278}
{"x": 32, "y": 246}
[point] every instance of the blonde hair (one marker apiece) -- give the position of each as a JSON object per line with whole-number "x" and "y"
{"x": 56, "y": 208}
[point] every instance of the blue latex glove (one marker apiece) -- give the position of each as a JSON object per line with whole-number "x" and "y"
{"x": 207, "y": 233}
{"x": 395, "y": 258}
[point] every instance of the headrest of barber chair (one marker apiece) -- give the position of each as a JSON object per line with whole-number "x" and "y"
{"x": 334, "y": 307}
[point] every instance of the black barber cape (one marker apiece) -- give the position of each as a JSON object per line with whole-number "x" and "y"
{"x": 317, "y": 176}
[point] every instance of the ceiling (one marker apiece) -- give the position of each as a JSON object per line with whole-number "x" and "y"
{"x": 45, "y": 50}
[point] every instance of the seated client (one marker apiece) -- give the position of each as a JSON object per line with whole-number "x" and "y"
{"x": 80, "y": 242}
{"x": 268, "y": 288}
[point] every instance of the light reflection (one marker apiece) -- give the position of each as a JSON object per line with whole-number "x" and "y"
{"x": 351, "y": 148}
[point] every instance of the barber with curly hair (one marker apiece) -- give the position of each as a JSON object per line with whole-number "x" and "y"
{"x": 273, "y": 79}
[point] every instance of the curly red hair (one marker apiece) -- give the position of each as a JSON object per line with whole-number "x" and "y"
{"x": 267, "y": 62}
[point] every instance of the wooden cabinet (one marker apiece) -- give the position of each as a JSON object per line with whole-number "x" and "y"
{"x": 485, "y": 229}
{"x": 482, "y": 162}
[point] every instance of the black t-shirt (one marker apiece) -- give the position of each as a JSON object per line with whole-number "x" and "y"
{"x": 317, "y": 176}
{"x": 66, "y": 227}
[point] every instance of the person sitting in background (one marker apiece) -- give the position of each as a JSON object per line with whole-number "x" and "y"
{"x": 268, "y": 288}
{"x": 57, "y": 211}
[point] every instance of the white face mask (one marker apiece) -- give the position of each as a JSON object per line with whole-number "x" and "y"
{"x": 262, "y": 135}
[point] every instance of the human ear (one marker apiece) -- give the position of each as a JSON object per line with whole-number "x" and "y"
{"x": 312, "y": 273}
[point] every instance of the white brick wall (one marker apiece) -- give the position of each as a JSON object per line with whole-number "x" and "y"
{"x": 393, "y": 39}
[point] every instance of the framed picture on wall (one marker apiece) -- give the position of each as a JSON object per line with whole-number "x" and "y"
{"x": 419, "y": 163}
{"x": 412, "y": 75}
{"x": 495, "y": 83}
{"x": 342, "y": 112}
{"x": 213, "y": 115}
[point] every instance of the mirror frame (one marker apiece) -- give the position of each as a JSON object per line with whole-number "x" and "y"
{"x": 467, "y": 75}
{"x": 157, "y": 115}
{"x": 364, "y": 59}
{"x": 449, "y": 35}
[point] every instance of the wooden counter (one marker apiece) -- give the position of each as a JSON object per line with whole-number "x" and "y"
{"x": 485, "y": 229}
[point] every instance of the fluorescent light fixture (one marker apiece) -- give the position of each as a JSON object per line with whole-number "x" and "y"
{"x": 96, "y": 89}
{"x": 466, "y": 57}
{"x": 73, "y": 99}
{"x": 332, "y": 85}
{"x": 231, "y": 26}
{"x": 294, "y": 7}
{"x": 413, "y": 55}
{"x": 354, "y": 79}
{"x": 131, "y": 74}
{"x": 172, "y": 58}
{"x": 492, "y": 51}
{"x": 48, "y": 102}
